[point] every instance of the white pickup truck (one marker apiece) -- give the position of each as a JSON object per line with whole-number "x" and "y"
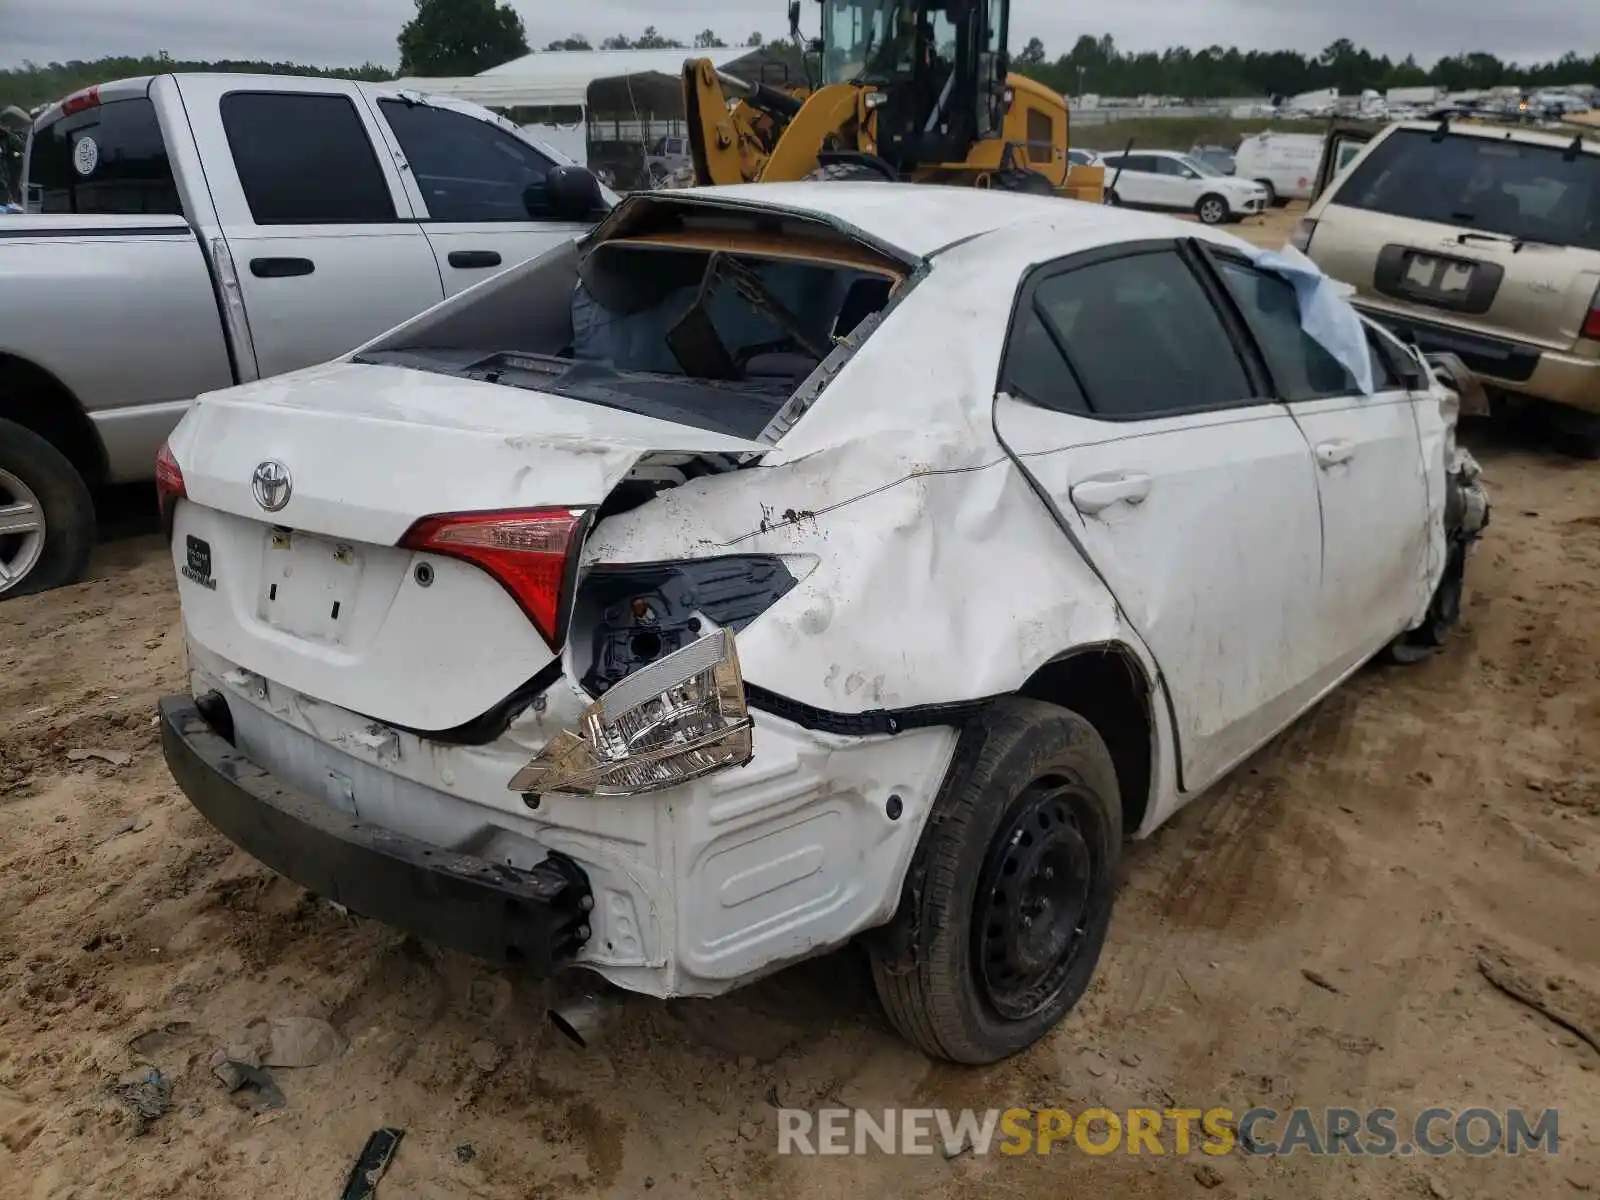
{"x": 196, "y": 231}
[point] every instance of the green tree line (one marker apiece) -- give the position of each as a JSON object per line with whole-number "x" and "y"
{"x": 1097, "y": 65}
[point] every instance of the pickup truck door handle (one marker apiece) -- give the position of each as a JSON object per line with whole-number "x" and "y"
{"x": 1332, "y": 453}
{"x": 1095, "y": 495}
{"x": 281, "y": 268}
{"x": 474, "y": 258}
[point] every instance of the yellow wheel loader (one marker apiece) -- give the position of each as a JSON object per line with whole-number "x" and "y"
{"x": 910, "y": 90}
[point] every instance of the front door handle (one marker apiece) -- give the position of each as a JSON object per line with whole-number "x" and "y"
{"x": 474, "y": 259}
{"x": 281, "y": 268}
{"x": 1098, "y": 494}
{"x": 1331, "y": 454}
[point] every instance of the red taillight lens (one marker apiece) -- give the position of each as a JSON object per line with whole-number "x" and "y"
{"x": 169, "y": 483}
{"x": 531, "y": 552}
{"x": 1591, "y": 323}
{"x": 78, "y": 101}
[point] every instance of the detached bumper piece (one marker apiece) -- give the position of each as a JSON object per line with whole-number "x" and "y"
{"x": 537, "y": 918}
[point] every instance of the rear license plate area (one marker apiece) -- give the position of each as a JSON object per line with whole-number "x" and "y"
{"x": 308, "y": 585}
{"x": 1437, "y": 280}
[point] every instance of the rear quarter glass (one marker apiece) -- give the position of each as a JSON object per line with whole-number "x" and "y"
{"x": 107, "y": 159}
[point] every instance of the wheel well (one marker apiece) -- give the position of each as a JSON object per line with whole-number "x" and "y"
{"x": 36, "y": 400}
{"x": 1106, "y": 686}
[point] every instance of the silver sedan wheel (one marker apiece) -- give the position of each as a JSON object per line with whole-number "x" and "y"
{"x": 22, "y": 530}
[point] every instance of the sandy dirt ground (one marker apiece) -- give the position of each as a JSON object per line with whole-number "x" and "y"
{"x": 1416, "y": 817}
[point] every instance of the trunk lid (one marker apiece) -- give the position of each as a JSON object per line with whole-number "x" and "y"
{"x": 317, "y": 596}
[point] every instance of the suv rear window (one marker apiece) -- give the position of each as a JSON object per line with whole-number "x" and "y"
{"x": 108, "y": 159}
{"x": 1531, "y": 192}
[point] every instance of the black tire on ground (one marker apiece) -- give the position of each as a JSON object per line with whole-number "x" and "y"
{"x": 1009, "y": 895}
{"x": 1112, "y": 198}
{"x": 1444, "y": 614}
{"x": 1212, "y": 209}
{"x": 1272, "y": 193}
{"x": 1570, "y": 431}
{"x": 847, "y": 172}
{"x": 1020, "y": 179}
{"x": 68, "y": 511}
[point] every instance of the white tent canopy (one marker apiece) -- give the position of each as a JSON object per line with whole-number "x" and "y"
{"x": 563, "y": 78}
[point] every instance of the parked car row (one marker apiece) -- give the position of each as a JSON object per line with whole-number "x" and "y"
{"x": 257, "y": 224}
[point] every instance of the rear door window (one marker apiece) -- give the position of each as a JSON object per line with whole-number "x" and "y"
{"x": 305, "y": 159}
{"x": 1140, "y": 338}
{"x": 107, "y": 159}
{"x": 468, "y": 170}
{"x": 1495, "y": 185}
{"x": 1302, "y": 368}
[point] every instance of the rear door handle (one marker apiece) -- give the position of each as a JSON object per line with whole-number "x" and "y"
{"x": 1098, "y": 494}
{"x": 281, "y": 268}
{"x": 474, "y": 259}
{"x": 1331, "y": 454}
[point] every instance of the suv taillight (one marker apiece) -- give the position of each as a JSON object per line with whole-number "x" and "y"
{"x": 1591, "y": 323}
{"x": 1300, "y": 239}
{"x": 531, "y": 552}
{"x": 169, "y": 484}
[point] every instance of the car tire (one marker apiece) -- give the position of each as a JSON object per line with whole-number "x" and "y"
{"x": 1028, "y": 827}
{"x": 1570, "y": 431}
{"x": 1112, "y": 199}
{"x": 1272, "y": 193}
{"x": 1212, "y": 209}
{"x": 35, "y": 476}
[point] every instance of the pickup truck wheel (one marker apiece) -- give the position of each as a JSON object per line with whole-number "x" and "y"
{"x": 1009, "y": 896}
{"x": 1212, "y": 209}
{"x": 47, "y": 523}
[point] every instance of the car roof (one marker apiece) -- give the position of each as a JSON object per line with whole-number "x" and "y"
{"x": 1479, "y": 127}
{"x": 921, "y": 219}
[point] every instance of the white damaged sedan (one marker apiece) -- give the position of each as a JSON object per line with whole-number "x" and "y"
{"x": 789, "y": 563}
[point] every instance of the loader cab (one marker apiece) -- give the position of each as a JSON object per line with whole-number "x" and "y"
{"x": 938, "y": 64}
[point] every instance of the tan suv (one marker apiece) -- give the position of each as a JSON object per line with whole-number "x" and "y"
{"x": 1482, "y": 241}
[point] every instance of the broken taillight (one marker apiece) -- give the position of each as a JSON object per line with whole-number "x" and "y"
{"x": 169, "y": 484}
{"x": 531, "y": 552}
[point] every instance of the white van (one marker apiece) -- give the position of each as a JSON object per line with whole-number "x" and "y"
{"x": 1283, "y": 163}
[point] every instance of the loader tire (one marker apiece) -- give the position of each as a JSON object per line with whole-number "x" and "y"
{"x": 846, "y": 172}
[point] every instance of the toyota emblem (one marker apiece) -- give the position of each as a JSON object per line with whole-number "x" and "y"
{"x": 271, "y": 485}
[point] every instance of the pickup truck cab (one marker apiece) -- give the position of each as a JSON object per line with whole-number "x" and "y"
{"x": 196, "y": 231}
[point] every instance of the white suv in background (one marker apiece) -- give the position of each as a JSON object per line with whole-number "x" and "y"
{"x": 1166, "y": 179}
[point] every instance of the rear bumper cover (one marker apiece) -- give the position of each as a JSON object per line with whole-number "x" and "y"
{"x": 1502, "y": 362}
{"x": 536, "y": 918}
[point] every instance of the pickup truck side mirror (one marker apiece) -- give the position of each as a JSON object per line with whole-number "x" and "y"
{"x": 567, "y": 193}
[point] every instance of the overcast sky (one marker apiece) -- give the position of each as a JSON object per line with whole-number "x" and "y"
{"x": 338, "y": 32}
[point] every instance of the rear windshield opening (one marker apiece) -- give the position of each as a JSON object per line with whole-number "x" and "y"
{"x": 1529, "y": 192}
{"x": 716, "y": 339}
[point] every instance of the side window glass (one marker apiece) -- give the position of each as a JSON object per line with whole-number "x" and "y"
{"x": 1143, "y": 337}
{"x": 1301, "y": 367}
{"x": 305, "y": 159}
{"x": 1169, "y": 166}
{"x": 1035, "y": 371}
{"x": 1384, "y": 376}
{"x": 468, "y": 170}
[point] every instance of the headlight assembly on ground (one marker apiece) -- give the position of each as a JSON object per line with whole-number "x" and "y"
{"x": 675, "y": 720}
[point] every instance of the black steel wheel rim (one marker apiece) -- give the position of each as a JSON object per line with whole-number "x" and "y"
{"x": 1036, "y": 899}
